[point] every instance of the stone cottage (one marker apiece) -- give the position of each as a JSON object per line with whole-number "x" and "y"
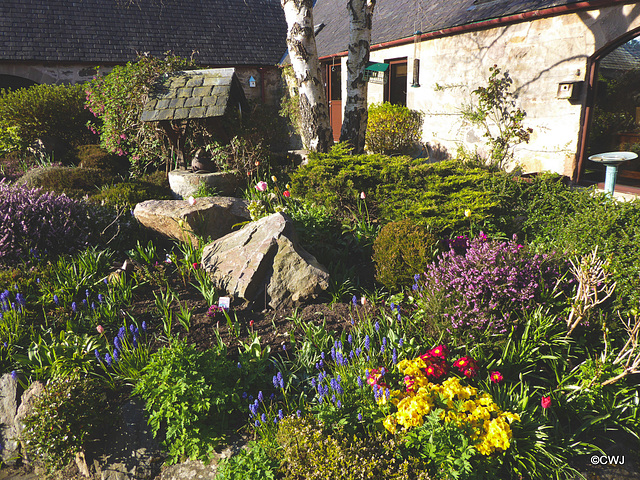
{"x": 431, "y": 54}
{"x": 62, "y": 41}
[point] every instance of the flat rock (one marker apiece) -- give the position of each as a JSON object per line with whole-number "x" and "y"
{"x": 264, "y": 258}
{"x": 208, "y": 217}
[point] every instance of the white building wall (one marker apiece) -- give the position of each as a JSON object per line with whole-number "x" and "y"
{"x": 538, "y": 55}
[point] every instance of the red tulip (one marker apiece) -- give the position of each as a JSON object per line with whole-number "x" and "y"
{"x": 546, "y": 402}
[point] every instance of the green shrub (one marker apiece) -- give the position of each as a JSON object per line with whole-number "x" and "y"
{"x": 74, "y": 182}
{"x": 250, "y": 464}
{"x": 128, "y": 194}
{"x": 573, "y": 221}
{"x": 191, "y": 396}
{"x": 401, "y": 250}
{"x": 307, "y": 452}
{"x": 435, "y": 194}
{"x": 393, "y": 129}
{"x": 64, "y": 418}
{"x": 49, "y": 112}
{"x": 96, "y": 157}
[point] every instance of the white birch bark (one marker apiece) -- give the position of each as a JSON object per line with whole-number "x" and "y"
{"x": 354, "y": 124}
{"x": 314, "y": 111}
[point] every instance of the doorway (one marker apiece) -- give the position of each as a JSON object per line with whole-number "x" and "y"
{"x": 333, "y": 81}
{"x": 395, "y": 91}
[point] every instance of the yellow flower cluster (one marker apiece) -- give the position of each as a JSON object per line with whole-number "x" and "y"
{"x": 463, "y": 405}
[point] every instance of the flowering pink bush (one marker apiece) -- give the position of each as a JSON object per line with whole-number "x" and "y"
{"x": 478, "y": 283}
{"x": 34, "y": 223}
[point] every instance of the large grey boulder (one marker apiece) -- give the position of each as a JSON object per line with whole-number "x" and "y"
{"x": 180, "y": 220}
{"x": 10, "y": 391}
{"x": 264, "y": 258}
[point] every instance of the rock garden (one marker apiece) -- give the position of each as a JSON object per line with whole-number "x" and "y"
{"x": 346, "y": 317}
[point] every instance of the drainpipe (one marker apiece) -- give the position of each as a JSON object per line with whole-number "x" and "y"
{"x": 495, "y": 22}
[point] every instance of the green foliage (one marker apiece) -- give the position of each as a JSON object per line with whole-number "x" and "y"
{"x": 64, "y": 419}
{"x": 74, "y": 182}
{"x": 497, "y": 115}
{"x": 444, "y": 446}
{"x": 96, "y": 157}
{"x": 310, "y": 453}
{"x": 393, "y": 129}
{"x": 48, "y": 112}
{"x": 539, "y": 449}
{"x": 129, "y": 193}
{"x": 71, "y": 276}
{"x": 58, "y": 355}
{"x": 249, "y": 464}
{"x": 574, "y": 221}
{"x": 401, "y": 250}
{"x": 397, "y": 187}
{"x": 117, "y": 100}
{"x": 190, "y": 397}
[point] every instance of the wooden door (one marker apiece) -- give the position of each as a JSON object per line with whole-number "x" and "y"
{"x": 333, "y": 78}
{"x": 396, "y": 89}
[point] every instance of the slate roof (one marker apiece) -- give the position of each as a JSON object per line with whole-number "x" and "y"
{"x": 222, "y": 32}
{"x": 193, "y": 94}
{"x": 396, "y": 19}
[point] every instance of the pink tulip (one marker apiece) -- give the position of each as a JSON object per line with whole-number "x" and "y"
{"x": 261, "y": 186}
{"x": 100, "y": 329}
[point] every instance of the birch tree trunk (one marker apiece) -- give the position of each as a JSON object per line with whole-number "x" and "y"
{"x": 301, "y": 41}
{"x": 354, "y": 124}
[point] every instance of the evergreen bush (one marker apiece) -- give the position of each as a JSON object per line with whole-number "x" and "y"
{"x": 308, "y": 452}
{"x": 48, "y": 112}
{"x": 96, "y": 157}
{"x": 73, "y": 181}
{"x": 130, "y": 193}
{"x": 400, "y": 250}
{"x": 437, "y": 194}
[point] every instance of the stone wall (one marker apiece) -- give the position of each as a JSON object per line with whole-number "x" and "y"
{"x": 538, "y": 55}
